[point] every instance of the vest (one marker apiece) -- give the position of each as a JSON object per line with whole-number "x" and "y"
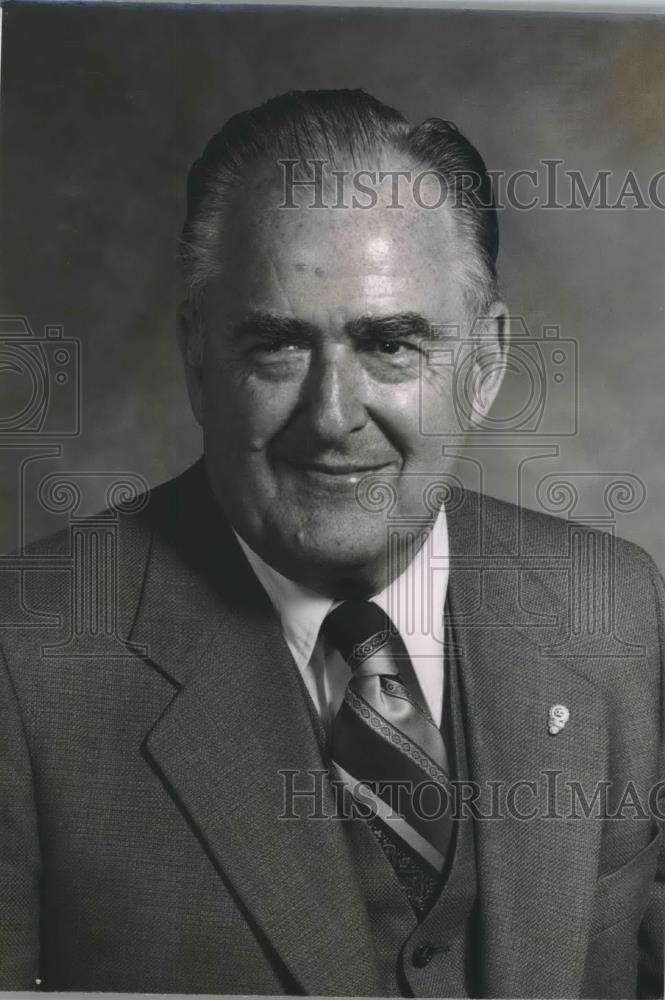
{"x": 440, "y": 955}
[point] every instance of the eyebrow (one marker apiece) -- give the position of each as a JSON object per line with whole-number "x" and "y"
{"x": 392, "y": 326}
{"x": 272, "y": 326}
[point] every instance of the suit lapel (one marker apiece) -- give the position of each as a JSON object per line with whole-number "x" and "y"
{"x": 237, "y": 726}
{"x": 535, "y": 876}
{"x": 239, "y": 717}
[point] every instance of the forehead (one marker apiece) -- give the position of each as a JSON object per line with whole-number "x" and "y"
{"x": 306, "y": 260}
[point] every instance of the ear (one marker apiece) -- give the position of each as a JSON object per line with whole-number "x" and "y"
{"x": 190, "y": 341}
{"x": 492, "y": 332}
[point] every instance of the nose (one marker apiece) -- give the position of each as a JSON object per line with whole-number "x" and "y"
{"x": 334, "y": 395}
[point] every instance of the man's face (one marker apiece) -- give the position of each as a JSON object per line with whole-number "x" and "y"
{"x": 315, "y": 374}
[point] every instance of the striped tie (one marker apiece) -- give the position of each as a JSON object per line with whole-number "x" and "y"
{"x": 384, "y": 736}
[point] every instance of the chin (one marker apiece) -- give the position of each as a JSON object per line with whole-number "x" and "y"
{"x": 336, "y": 566}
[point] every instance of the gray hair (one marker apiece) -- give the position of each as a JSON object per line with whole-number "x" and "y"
{"x": 328, "y": 124}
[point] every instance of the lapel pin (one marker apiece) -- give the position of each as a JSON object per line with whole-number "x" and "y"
{"x": 557, "y": 719}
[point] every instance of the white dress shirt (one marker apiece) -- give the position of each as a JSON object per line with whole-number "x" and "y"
{"x": 414, "y": 602}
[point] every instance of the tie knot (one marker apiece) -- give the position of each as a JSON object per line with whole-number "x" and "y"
{"x": 358, "y": 629}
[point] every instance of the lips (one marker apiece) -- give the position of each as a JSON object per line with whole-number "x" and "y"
{"x": 347, "y": 468}
{"x": 339, "y": 469}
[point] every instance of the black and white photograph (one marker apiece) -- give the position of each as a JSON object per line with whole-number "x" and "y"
{"x": 332, "y": 493}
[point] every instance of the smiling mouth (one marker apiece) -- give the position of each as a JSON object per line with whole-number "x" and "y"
{"x": 341, "y": 469}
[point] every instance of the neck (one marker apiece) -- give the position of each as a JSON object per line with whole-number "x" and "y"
{"x": 358, "y": 581}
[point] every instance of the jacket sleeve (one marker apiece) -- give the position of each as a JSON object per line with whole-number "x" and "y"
{"x": 19, "y": 848}
{"x": 652, "y": 931}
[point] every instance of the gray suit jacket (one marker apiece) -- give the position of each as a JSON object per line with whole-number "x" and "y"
{"x": 141, "y": 844}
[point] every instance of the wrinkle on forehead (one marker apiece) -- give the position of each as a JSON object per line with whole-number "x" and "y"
{"x": 281, "y": 287}
{"x": 259, "y": 203}
{"x": 353, "y": 259}
{"x": 326, "y": 245}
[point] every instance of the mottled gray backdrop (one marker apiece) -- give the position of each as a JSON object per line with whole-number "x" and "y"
{"x": 103, "y": 109}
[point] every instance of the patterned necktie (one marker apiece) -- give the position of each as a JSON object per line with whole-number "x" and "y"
{"x": 384, "y": 737}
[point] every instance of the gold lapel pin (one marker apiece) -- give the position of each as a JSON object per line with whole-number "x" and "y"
{"x": 557, "y": 719}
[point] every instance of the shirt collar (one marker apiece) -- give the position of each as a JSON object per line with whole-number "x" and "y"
{"x": 414, "y": 601}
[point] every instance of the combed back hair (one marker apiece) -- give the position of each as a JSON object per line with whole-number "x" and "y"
{"x": 335, "y": 126}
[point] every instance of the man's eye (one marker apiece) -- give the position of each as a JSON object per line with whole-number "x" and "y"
{"x": 394, "y": 347}
{"x": 276, "y": 347}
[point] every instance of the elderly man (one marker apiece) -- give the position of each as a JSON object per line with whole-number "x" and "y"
{"x": 347, "y": 747}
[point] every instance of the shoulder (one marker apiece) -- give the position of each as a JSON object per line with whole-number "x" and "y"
{"x": 97, "y": 564}
{"x": 536, "y": 531}
{"x": 93, "y": 559}
{"x": 131, "y": 515}
{"x": 580, "y": 568}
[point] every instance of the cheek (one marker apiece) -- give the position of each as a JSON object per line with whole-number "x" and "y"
{"x": 242, "y": 411}
{"x": 417, "y": 414}
{"x": 437, "y": 412}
